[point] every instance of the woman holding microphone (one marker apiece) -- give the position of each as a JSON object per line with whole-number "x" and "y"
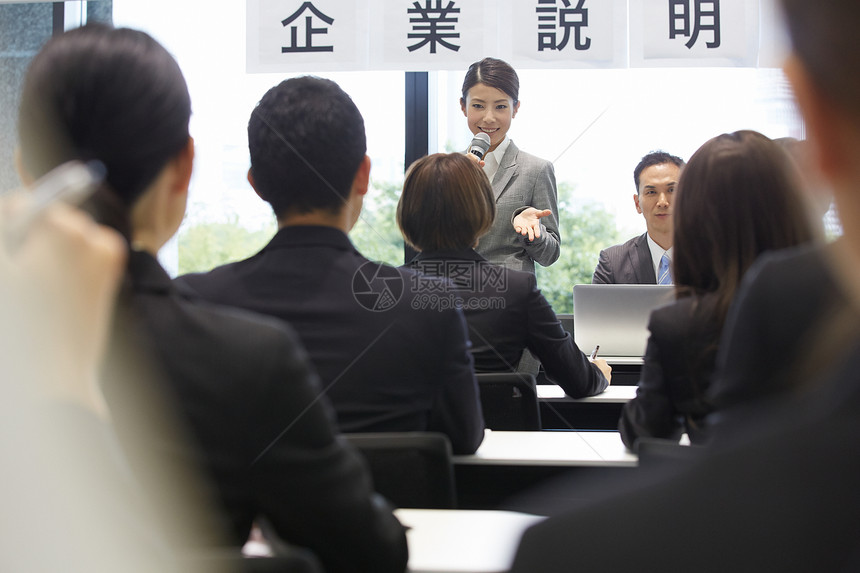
{"x": 525, "y": 229}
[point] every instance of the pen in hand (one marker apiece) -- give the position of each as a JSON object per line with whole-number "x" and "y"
{"x": 71, "y": 183}
{"x": 601, "y": 365}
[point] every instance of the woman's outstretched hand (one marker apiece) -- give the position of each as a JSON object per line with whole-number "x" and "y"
{"x": 527, "y": 223}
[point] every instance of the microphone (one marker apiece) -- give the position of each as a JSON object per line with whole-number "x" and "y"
{"x": 480, "y": 144}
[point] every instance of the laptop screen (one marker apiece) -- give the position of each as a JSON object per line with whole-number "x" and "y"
{"x": 616, "y": 317}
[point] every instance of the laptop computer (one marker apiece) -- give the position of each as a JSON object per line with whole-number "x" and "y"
{"x": 616, "y": 318}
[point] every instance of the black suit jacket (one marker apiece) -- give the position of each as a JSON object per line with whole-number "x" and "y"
{"x": 782, "y": 309}
{"x": 627, "y": 263}
{"x": 385, "y": 363}
{"x": 676, "y": 373}
{"x": 507, "y": 313}
{"x": 780, "y": 494}
{"x": 260, "y": 427}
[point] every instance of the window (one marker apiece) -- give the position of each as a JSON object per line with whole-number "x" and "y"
{"x": 23, "y": 30}
{"x": 226, "y": 220}
{"x": 595, "y": 125}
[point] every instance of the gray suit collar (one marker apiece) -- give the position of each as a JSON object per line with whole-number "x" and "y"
{"x": 507, "y": 169}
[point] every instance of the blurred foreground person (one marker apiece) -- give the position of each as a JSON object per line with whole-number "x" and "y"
{"x": 68, "y": 504}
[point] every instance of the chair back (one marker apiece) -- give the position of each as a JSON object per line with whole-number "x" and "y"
{"x": 509, "y": 401}
{"x": 411, "y": 469}
{"x": 566, "y": 320}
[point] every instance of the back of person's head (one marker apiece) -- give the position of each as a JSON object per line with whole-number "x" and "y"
{"x": 307, "y": 141}
{"x": 654, "y": 158}
{"x": 109, "y": 94}
{"x": 824, "y": 38}
{"x": 737, "y": 197}
{"x": 494, "y": 73}
{"x": 447, "y": 203}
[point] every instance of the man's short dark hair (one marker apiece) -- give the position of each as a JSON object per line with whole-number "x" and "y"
{"x": 307, "y": 141}
{"x": 654, "y": 158}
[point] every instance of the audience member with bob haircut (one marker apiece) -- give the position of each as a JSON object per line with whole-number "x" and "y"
{"x": 446, "y": 205}
{"x": 737, "y": 198}
{"x": 241, "y": 384}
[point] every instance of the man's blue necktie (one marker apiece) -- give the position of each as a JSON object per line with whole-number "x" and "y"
{"x": 664, "y": 274}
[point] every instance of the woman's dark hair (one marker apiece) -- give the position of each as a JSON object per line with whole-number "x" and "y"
{"x": 736, "y": 198}
{"x": 494, "y": 73}
{"x": 447, "y": 203}
{"x": 113, "y": 95}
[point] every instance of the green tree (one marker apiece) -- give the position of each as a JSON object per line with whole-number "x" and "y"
{"x": 375, "y": 234}
{"x": 585, "y": 229}
{"x": 207, "y": 245}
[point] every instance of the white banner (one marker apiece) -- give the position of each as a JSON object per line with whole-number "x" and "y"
{"x": 569, "y": 33}
{"x": 424, "y": 35}
{"x": 432, "y": 34}
{"x": 418, "y": 35}
{"x": 318, "y": 35}
{"x": 697, "y": 33}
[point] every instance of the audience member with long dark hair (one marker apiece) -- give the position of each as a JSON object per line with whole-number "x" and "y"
{"x": 445, "y": 208}
{"x": 778, "y": 494}
{"x": 737, "y": 198}
{"x": 243, "y": 388}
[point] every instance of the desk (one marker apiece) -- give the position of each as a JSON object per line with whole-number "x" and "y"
{"x": 463, "y": 541}
{"x": 613, "y": 395}
{"x": 508, "y": 464}
{"x": 550, "y": 448}
{"x": 624, "y": 372}
{"x": 601, "y": 412}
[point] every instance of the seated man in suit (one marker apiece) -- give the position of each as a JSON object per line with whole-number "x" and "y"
{"x": 385, "y": 364}
{"x": 645, "y": 259}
